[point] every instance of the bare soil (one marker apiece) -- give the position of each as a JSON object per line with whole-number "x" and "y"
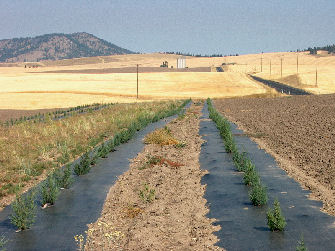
{"x": 299, "y": 131}
{"x": 175, "y": 219}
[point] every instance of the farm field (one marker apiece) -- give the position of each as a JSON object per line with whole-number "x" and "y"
{"x": 298, "y": 132}
{"x": 305, "y": 78}
{"x": 30, "y": 88}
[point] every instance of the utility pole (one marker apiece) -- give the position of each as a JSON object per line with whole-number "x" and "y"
{"x": 297, "y": 64}
{"x": 137, "y": 80}
{"x": 316, "y": 77}
{"x": 281, "y": 67}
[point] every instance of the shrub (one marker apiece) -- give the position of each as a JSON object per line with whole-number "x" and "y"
{"x": 63, "y": 178}
{"x": 147, "y": 194}
{"x": 103, "y": 151}
{"x": 275, "y": 218}
{"x": 84, "y": 165}
{"x": 251, "y": 177}
{"x": 111, "y": 146}
{"x": 94, "y": 159}
{"x": 301, "y": 245}
{"x": 258, "y": 195}
{"x": 240, "y": 160}
{"x": 50, "y": 191}
{"x": 24, "y": 210}
{"x": 3, "y": 242}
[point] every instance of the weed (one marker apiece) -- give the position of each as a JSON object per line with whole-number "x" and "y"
{"x": 181, "y": 115}
{"x": 301, "y": 245}
{"x": 24, "y": 210}
{"x": 180, "y": 145}
{"x": 147, "y": 194}
{"x": 132, "y": 211}
{"x": 275, "y": 218}
{"x": 80, "y": 241}
{"x": 49, "y": 191}
{"x": 258, "y": 195}
{"x": 84, "y": 165}
{"x": 161, "y": 137}
{"x": 3, "y": 242}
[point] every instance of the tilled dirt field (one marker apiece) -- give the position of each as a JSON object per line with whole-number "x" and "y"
{"x": 173, "y": 216}
{"x": 298, "y": 131}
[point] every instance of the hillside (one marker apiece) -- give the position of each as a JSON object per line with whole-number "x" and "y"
{"x": 56, "y": 46}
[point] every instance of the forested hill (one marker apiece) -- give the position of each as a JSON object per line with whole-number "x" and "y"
{"x": 56, "y": 46}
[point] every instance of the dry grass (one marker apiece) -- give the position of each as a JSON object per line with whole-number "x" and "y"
{"x": 24, "y": 88}
{"x": 161, "y": 137}
{"x": 305, "y": 77}
{"x": 28, "y": 151}
{"x": 49, "y": 90}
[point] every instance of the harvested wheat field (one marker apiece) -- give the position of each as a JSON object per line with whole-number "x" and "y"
{"x": 303, "y": 77}
{"x": 158, "y": 204}
{"x": 298, "y": 132}
{"x": 34, "y": 88}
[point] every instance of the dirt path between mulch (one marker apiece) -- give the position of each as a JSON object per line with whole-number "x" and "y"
{"x": 171, "y": 212}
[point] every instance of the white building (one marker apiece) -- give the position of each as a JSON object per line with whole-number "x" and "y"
{"x": 181, "y": 63}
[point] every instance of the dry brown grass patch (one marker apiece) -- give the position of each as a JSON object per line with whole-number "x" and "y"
{"x": 161, "y": 137}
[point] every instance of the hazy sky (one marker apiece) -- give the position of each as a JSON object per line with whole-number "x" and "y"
{"x": 196, "y": 26}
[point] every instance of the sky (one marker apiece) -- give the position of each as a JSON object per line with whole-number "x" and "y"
{"x": 195, "y": 26}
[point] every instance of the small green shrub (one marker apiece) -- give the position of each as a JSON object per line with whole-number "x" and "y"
{"x": 3, "y": 242}
{"x": 147, "y": 194}
{"x": 94, "y": 159}
{"x": 84, "y": 165}
{"x": 103, "y": 151}
{"x": 275, "y": 218}
{"x": 301, "y": 245}
{"x": 111, "y": 146}
{"x": 240, "y": 160}
{"x": 49, "y": 191}
{"x": 24, "y": 210}
{"x": 251, "y": 177}
{"x": 258, "y": 195}
{"x": 63, "y": 178}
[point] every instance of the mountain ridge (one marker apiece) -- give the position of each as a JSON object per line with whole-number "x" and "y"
{"x": 56, "y": 46}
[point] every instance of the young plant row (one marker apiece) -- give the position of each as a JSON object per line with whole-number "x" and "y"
{"x": 24, "y": 207}
{"x": 58, "y": 114}
{"x": 30, "y": 149}
{"x": 258, "y": 193}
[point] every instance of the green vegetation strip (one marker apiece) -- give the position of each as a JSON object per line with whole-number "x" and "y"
{"x": 28, "y": 150}
{"x": 58, "y": 114}
{"x": 258, "y": 193}
{"x": 24, "y": 208}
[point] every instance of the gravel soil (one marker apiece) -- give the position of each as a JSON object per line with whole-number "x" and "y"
{"x": 175, "y": 219}
{"x": 299, "y": 131}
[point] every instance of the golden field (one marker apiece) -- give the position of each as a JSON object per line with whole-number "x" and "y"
{"x": 304, "y": 77}
{"x": 30, "y": 88}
